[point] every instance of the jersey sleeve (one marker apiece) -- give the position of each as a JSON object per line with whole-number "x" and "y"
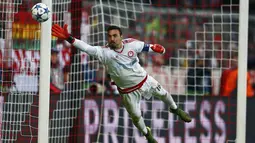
{"x": 139, "y": 46}
{"x": 136, "y": 44}
{"x": 145, "y": 48}
{"x": 95, "y": 51}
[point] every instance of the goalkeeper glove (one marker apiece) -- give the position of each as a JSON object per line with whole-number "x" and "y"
{"x": 158, "y": 48}
{"x": 62, "y": 33}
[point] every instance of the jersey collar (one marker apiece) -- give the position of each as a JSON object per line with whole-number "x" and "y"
{"x": 120, "y": 50}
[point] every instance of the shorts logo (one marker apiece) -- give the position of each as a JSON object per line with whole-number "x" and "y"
{"x": 158, "y": 87}
{"x": 131, "y": 53}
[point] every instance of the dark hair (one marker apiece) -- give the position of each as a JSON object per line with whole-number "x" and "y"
{"x": 113, "y": 27}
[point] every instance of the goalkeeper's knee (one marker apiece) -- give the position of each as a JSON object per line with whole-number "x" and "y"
{"x": 136, "y": 119}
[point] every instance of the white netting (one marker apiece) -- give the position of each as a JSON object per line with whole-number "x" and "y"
{"x": 20, "y": 57}
{"x": 213, "y": 50}
{"x": 194, "y": 71}
{"x": 118, "y": 12}
{"x": 17, "y": 105}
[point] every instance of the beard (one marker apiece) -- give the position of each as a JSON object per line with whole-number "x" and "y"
{"x": 113, "y": 46}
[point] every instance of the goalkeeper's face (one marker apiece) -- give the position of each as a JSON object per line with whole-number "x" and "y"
{"x": 114, "y": 39}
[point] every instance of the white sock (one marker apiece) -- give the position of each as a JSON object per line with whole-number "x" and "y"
{"x": 173, "y": 105}
{"x": 141, "y": 126}
{"x": 166, "y": 98}
{"x": 145, "y": 131}
{"x": 169, "y": 100}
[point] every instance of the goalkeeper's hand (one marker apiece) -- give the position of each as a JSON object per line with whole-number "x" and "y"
{"x": 158, "y": 48}
{"x": 62, "y": 33}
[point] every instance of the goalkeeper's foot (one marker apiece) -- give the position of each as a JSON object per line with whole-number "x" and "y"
{"x": 149, "y": 136}
{"x": 183, "y": 115}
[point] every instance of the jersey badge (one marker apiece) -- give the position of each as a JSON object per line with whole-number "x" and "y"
{"x": 131, "y": 53}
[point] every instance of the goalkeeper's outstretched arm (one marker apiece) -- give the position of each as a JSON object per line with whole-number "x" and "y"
{"x": 157, "y": 48}
{"x": 62, "y": 33}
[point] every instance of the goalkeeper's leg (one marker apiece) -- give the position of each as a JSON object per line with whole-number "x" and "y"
{"x": 131, "y": 102}
{"x": 163, "y": 95}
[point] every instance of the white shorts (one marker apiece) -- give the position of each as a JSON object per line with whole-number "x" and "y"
{"x": 132, "y": 100}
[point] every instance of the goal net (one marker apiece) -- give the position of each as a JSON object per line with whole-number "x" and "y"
{"x": 19, "y": 63}
{"x": 201, "y": 40}
{"x": 20, "y": 60}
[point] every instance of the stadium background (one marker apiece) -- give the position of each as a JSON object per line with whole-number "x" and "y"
{"x": 156, "y": 24}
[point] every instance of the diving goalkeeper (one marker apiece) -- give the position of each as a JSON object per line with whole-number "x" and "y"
{"x": 122, "y": 64}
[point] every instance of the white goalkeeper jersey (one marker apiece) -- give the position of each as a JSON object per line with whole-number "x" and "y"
{"x": 122, "y": 65}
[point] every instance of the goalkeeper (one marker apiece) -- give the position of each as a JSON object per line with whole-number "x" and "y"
{"x": 122, "y": 64}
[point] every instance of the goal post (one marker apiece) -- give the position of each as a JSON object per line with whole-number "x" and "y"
{"x": 242, "y": 71}
{"x": 44, "y": 81}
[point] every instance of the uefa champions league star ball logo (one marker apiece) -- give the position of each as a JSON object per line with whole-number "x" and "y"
{"x": 131, "y": 53}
